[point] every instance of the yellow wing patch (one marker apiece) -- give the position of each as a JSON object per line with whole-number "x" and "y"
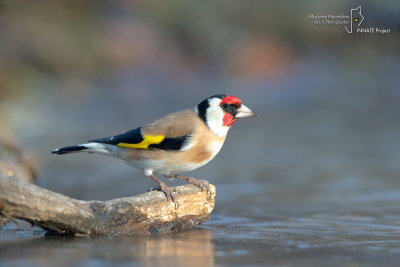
{"x": 147, "y": 140}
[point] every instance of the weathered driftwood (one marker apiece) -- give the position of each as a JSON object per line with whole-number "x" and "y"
{"x": 147, "y": 213}
{"x": 15, "y": 161}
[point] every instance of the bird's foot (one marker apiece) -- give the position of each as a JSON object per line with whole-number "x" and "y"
{"x": 168, "y": 191}
{"x": 203, "y": 184}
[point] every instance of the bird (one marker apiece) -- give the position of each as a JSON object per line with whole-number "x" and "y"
{"x": 178, "y": 142}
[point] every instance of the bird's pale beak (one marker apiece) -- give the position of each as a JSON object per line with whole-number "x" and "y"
{"x": 244, "y": 112}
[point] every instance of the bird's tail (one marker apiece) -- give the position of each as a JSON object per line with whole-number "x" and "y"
{"x": 88, "y": 147}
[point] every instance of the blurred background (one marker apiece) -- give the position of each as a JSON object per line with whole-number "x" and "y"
{"x": 314, "y": 177}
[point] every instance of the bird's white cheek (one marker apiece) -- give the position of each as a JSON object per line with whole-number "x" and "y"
{"x": 214, "y": 117}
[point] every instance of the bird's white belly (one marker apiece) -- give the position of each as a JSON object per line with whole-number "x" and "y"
{"x": 163, "y": 167}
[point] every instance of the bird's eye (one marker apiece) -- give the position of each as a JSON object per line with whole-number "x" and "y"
{"x": 225, "y": 106}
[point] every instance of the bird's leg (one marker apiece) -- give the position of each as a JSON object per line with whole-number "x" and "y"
{"x": 203, "y": 184}
{"x": 166, "y": 190}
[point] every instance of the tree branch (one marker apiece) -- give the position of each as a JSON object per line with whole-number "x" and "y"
{"x": 15, "y": 161}
{"x": 148, "y": 213}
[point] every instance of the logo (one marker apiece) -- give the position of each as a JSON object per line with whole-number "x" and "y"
{"x": 352, "y": 23}
{"x": 356, "y": 18}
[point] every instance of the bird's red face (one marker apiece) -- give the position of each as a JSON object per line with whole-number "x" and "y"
{"x": 233, "y": 108}
{"x": 229, "y": 105}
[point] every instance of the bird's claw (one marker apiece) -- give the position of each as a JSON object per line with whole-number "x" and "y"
{"x": 168, "y": 192}
{"x": 203, "y": 184}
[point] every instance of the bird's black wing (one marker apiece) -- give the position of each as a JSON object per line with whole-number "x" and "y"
{"x": 135, "y": 139}
{"x": 131, "y": 137}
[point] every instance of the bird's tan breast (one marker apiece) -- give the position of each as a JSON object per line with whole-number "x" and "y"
{"x": 205, "y": 146}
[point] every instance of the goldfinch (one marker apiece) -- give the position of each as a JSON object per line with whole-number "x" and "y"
{"x": 178, "y": 142}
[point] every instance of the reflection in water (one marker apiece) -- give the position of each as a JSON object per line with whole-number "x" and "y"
{"x": 193, "y": 247}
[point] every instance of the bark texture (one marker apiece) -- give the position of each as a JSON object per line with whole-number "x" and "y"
{"x": 15, "y": 161}
{"x": 148, "y": 213}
